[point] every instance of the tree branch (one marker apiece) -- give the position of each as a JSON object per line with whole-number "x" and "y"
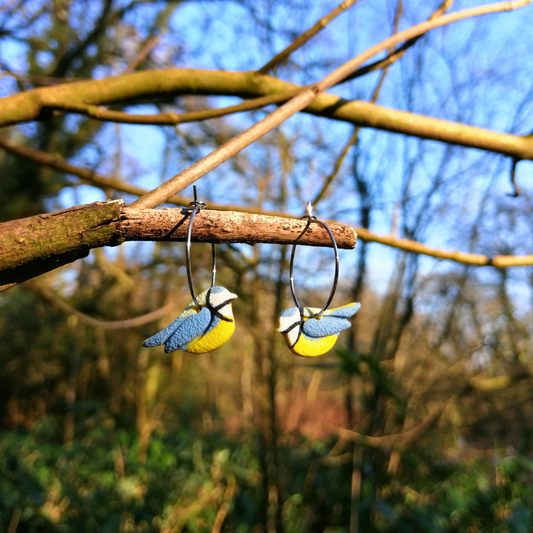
{"x": 32, "y": 246}
{"x": 232, "y": 147}
{"x": 400, "y": 52}
{"x": 37, "y": 104}
{"x": 306, "y": 36}
{"x": 170, "y": 119}
{"x": 49, "y": 296}
{"x": 52, "y": 161}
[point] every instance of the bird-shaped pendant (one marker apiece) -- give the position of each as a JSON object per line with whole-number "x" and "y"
{"x": 202, "y": 328}
{"x": 308, "y": 335}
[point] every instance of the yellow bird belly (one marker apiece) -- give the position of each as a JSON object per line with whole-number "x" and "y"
{"x": 311, "y": 348}
{"x": 214, "y": 339}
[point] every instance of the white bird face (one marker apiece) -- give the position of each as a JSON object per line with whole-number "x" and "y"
{"x": 289, "y": 324}
{"x": 219, "y": 299}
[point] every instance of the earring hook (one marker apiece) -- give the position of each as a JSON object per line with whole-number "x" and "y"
{"x": 193, "y": 208}
{"x": 311, "y": 218}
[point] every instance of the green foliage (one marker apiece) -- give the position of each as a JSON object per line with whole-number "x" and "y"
{"x": 97, "y": 483}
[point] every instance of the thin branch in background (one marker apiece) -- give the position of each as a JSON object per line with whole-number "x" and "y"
{"x": 338, "y": 163}
{"x": 513, "y": 179}
{"x": 355, "y": 135}
{"x": 306, "y": 36}
{"x": 143, "y": 52}
{"x": 49, "y": 296}
{"x": 40, "y": 81}
{"x": 392, "y": 57}
{"x": 85, "y": 174}
{"x": 169, "y": 119}
{"x": 52, "y": 161}
{"x": 302, "y": 100}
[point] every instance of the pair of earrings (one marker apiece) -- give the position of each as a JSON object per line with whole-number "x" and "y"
{"x": 208, "y": 322}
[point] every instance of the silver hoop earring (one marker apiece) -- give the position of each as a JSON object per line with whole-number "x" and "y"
{"x": 310, "y": 331}
{"x": 207, "y": 322}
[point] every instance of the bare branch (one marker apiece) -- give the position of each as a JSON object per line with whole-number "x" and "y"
{"x": 93, "y": 178}
{"x": 37, "y": 103}
{"x": 355, "y": 135}
{"x": 49, "y": 296}
{"x": 169, "y": 119}
{"x": 306, "y": 36}
{"x": 400, "y": 52}
{"x": 338, "y": 163}
{"x": 516, "y": 188}
{"x": 143, "y": 52}
{"x": 299, "y": 102}
{"x": 34, "y": 245}
{"x": 498, "y": 261}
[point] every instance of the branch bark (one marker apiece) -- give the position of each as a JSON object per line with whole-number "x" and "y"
{"x": 34, "y": 245}
{"x": 39, "y": 104}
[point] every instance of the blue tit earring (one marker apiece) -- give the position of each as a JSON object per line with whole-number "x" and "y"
{"x": 311, "y": 331}
{"x": 207, "y": 322}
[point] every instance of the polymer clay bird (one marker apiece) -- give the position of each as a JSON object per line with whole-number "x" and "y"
{"x": 308, "y": 335}
{"x": 202, "y": 328}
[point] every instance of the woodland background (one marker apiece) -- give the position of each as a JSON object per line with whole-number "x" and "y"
{"x": 420, "y": 420}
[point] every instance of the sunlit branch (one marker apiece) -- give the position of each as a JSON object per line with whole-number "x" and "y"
{"x": 148, "y": 46}
{"x": 304, "y": 37}
{"x": 37, "y": 104}
{"x": 498, "y": 261}
{"x": 188, "y": 176}
{"x": 51, "y": 161}
{"x": 35, "y": 245}
{"x": 169, "y": 118}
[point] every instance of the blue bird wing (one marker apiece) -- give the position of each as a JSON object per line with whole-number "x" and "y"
{"x": 346, "y": 311}
{"x": 192, "y": 327}
{"x": 324, "y": 326}
{"x": 161, "y": 337}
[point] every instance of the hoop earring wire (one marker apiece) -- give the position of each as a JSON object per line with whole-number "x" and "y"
{"x": 193, "y": 208}
{"x": 310, "y": 219}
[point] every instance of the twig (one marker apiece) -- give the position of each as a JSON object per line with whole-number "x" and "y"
{"x": 516, "y": 188}
{"x": 14, "y": 522}
{"x": 338, "y": 163}
{"x": 399, "y": 439}
{"x": 143, "y": 52}
{"x": 355, "y": 135}
{"x": 169, "y": 119}
{"x": 46, "y": 294}
{"x": 400, "y": 52}
{"x": 304, "y": 37}
{"x": 300, "y": 101}
{"x": 498, "y": 261}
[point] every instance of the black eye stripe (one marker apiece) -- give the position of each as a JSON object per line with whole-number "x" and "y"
{"x": 215, "y": 310}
